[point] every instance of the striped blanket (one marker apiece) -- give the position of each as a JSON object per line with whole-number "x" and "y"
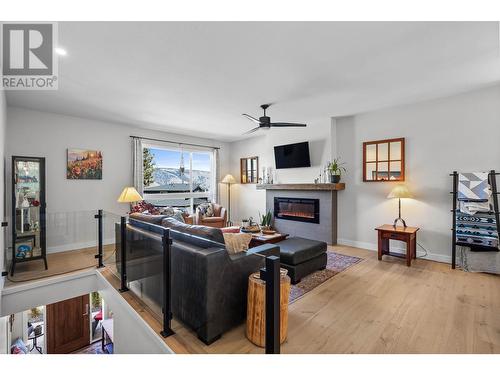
{"x": 479, "y": 229}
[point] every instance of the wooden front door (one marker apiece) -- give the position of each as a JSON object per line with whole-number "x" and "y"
{"x": 68, "y": 325}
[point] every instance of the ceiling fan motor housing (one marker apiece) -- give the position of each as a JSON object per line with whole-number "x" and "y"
{"x": 265, "y": 121}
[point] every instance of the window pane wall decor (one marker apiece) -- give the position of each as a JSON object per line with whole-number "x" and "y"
{"x": 384, "y": 160}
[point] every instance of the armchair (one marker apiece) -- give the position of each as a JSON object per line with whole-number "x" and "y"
{"x": 219, "y": 219}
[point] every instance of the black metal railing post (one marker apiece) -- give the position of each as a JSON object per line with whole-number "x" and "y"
{"x": 98, "y": 256}
{"x": 123, "y": 251}
{"x": 271, "y": 275}
{"x": 167, "y": 284}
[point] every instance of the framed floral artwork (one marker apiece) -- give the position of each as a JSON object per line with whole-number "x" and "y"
{"x": 84, "y": 164}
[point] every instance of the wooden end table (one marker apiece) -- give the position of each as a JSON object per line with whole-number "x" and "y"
{"x": 261, "y": 239}
{"x": 408, "y": 235}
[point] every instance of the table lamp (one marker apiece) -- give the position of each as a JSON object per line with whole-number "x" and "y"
{"x": 129, "y": 195}
{"x": 399, "y": 191}
{"x": 229, "y": 180}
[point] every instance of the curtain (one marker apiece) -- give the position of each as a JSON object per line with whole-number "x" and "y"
{"x": 216, "y": 195}
{"x": 137, "y": 161}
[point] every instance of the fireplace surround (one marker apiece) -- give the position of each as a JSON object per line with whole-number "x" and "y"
{"x": 326, "y": 194}
{"x": 297, "y": 209}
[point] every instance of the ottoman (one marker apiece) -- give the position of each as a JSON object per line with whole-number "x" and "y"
{"x": 301, "y": 256}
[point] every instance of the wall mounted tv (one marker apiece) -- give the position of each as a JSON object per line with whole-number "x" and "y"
{"x": 295, "y": 155}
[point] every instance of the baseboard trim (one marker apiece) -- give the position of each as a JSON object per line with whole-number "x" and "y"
{"x": 397, "y": 249}
{"x": 78, "y": 246}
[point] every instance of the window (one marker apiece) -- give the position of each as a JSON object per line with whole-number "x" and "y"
{"x": 181, "y": 178}
{"x": 384, "y": 160}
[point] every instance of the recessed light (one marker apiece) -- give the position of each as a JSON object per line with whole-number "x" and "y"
{"x": 61, "y": 51}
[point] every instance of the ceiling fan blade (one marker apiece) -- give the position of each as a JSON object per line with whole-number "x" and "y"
{"x": 252, "y": 130}
{"x": 251, "y": 118}
{"x": 283, "y": 124}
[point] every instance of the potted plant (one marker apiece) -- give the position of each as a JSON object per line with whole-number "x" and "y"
{"x": 265, "y": 220}
{"x": 336, "y": 168}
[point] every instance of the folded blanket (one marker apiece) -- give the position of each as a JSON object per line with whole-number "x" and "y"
{"x": 474, "y": 187}
{"x": 474, "y": 207}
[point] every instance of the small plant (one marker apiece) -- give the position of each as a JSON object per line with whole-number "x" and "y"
{"x": 265, "y": 220}
{"x": 336, "y": 167}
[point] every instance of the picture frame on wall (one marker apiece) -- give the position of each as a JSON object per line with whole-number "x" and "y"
{"x": 84, "y": 164}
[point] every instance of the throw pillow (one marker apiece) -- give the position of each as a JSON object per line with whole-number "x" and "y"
{"x": 237, "y": 242}
{"x": 206, "y": 209}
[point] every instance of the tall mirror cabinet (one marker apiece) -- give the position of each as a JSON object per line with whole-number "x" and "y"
{"x": 28, "y": 211}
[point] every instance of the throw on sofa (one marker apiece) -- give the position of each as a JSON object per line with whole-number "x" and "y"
{"x": 209, "y": 285}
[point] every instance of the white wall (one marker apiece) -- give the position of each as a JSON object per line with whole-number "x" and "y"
{"x": 3, "y": 125}
{"x": 34, "y": 133}
{"x": 246, "y": 201}
{"x": 457, "y": 133}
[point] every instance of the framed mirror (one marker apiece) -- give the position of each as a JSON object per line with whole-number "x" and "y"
{"x": 249, "y": 170}
{"x": 384, "y": 160}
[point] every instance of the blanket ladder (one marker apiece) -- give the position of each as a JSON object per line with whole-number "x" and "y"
{"x": 493, "y": 184}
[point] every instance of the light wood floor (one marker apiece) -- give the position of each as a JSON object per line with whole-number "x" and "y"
{"x": 58, "y": 264}
{"x": 377, "y": 307}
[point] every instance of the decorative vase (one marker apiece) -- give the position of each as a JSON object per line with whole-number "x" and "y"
{"x": 334, "y": 178}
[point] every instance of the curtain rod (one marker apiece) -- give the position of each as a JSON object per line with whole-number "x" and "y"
{"x": 176, "y": 143}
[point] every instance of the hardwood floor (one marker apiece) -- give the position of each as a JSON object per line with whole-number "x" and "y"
{"x": 59, "y": 264}
{"x": 381, "y": 307}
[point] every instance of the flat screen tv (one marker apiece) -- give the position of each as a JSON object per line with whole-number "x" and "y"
{"x": 295, "y": 155}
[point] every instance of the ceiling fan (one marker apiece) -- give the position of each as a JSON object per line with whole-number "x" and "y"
{"x": 265, "y": 121}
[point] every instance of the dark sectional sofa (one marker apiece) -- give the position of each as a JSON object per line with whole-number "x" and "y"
{"x": 209, "y": 285}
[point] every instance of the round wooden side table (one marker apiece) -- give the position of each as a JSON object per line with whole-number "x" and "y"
{"x": 256, "y": 315}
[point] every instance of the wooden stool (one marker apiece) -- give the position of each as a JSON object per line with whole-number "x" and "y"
{"x": 406, "y": 234}
{"x": 256, "y": 315}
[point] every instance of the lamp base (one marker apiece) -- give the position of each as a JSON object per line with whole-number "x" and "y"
{"x": 396, "y": 222}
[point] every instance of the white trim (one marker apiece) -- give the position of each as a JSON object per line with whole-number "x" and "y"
{"x": 397, "y": 249}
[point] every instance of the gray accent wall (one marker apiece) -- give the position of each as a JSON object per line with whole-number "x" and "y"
{"x": 326, "y": 230}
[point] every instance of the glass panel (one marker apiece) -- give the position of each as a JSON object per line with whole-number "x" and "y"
{"x": 395, "y": 150}
{"x": 202, "y": 172}
{"x": 383, "y": 171}
{"x": 243, "y": 171}
{"x": 395, "y": 170}
{"x": 383, "y": 151}
{"x": 371, "y": 171}
{"x": 183, "y": 204}
{"x": 371, "y": 152}
{"x": 27, "y": 192}
{"x": 144, "y": 264}
{"x": 163, "y": 172}
{"x": 111, "y": 241}
{"x": 71, "y": 242}
{"x": 95, "y": 310}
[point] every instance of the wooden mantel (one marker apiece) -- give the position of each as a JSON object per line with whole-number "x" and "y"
{"x": 331, "y": 187}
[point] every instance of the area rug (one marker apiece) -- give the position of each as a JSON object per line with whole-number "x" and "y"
{"x": 336, "y": 263}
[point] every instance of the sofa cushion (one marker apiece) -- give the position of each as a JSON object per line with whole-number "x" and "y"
{"x": 153, "y": 219}
{"x": 296, "y": 250}
{"x": 213, "y": 234}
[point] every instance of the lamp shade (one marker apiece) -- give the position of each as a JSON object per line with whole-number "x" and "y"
{"x": 229, "y": 179}
{"x": 400, "y": 191}
{"x": 129, "y": 194}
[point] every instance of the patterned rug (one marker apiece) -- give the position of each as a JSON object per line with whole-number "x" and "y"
{"x": 336, "y": 263}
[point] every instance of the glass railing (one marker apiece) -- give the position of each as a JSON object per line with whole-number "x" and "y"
{"x": 200, "y": 283}
{"x": 110, "y": 234}
{"x": 43, "y": 244}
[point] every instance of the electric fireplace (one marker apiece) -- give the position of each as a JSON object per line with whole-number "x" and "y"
{"x": 297, "y": 209}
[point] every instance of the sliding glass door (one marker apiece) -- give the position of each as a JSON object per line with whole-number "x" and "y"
{"x": 178, "y": 177}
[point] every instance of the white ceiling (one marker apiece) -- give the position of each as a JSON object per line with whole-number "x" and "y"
{"x": 197, "y": 78}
